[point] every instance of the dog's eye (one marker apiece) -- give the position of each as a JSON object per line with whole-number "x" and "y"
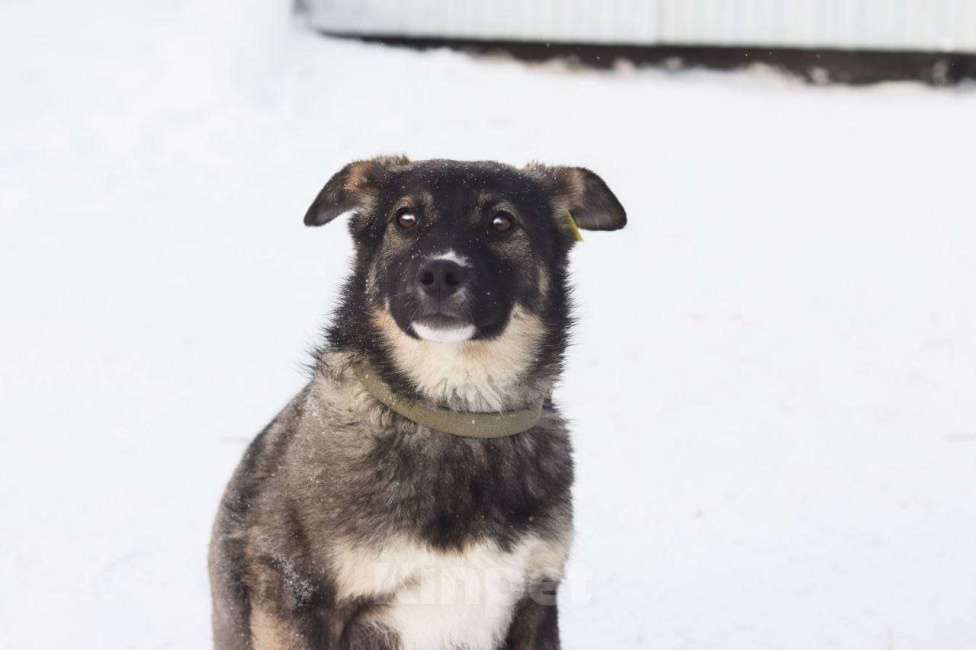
{"x": 502, "y": 221}
{"x": 405, "y": 218}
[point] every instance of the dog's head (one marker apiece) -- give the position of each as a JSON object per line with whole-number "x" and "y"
{"x": 459, "y": 260}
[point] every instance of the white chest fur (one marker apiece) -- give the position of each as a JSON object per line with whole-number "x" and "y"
{"x": 443, "y": 600}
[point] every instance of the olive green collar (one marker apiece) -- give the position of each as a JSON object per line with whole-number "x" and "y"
{"x": 467, "y": 425}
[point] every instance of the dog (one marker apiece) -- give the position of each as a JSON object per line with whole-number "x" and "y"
{"x": 415, "y": 495}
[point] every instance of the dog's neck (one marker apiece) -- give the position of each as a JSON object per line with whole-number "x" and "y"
{"x": 474, "y": 376}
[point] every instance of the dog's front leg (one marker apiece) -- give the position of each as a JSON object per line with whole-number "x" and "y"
{"x": 368, "y": 636}
{"x": 535, "y": 623}
{"x": 291, "y": 610}
{"x": 271, "y": 631}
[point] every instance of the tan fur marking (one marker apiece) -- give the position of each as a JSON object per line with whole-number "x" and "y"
{"x": 361, "y": 177}
{"x": 270, "y": 633}
{"x": 358, "y": 176}
{"x": 570, "y": 189}
{"x": 361, "y": 173}
{"x": 548, "y": 559}
{"x": 474, "y": 375}
{"x": 543, "y": 282}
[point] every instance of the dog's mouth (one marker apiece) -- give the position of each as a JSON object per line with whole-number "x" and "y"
{"x": 443, "y": 328}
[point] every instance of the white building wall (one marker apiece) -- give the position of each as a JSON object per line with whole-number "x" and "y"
{"x": 856, "y": 24}
{"x": 940, "y": 25}
{"x": 597, "y": 21}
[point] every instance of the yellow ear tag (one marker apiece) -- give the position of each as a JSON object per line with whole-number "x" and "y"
{"x": 577, "y": 235}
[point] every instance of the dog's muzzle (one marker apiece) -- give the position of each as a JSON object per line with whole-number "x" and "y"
{"x": 442, "y": 318}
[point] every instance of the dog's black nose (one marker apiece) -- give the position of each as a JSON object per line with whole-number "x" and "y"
{"x": 441, "y": 279}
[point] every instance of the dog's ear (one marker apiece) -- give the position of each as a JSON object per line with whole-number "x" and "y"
{"x": 583, "y": 194}
{"x": 352, "y": 189}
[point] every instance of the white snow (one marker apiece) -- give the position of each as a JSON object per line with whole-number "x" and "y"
{"x": 774, "y": 381}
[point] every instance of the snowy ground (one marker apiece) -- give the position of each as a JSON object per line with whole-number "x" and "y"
{"x": 774, "y": 386}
